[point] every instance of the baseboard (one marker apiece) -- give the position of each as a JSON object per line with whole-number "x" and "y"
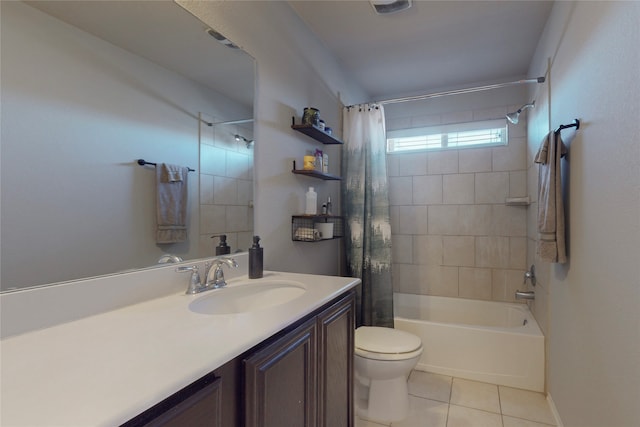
{"x": 554, "y": 411}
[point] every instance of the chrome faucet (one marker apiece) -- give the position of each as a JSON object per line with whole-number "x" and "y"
{"x": 168, "y": 258}
{"x": 195, "y": 286}
{"x": 530, "y": 295}
{"x": 215, "y": 275}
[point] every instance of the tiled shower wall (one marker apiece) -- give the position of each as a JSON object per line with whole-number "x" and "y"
{"x": 226, "y": 186}
{"x": 453, "y": 234}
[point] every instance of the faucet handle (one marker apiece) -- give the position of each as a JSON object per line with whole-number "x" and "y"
{"x": 194, "y": 282}
{"x": 530, "y": 275}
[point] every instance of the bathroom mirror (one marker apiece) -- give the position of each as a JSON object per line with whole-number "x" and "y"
{"x": 87, "y": 89}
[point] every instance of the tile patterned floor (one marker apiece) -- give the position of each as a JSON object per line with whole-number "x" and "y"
{"x": 442, "y": 401}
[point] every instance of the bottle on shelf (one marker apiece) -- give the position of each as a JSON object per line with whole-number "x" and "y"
{"x": 311, "y": 207}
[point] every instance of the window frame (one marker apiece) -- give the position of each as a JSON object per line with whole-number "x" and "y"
{"x": 444, "y": 131}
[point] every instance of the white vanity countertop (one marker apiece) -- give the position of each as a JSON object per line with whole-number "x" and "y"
{"x": 105, "y": 369}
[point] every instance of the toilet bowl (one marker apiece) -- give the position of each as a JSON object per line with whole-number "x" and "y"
{"x": 384, "y": 357}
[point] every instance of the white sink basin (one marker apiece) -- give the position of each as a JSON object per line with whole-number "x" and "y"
{"x": 247, "y": 297}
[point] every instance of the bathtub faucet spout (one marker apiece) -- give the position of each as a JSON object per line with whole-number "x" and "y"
{"x": 530, "y": 295}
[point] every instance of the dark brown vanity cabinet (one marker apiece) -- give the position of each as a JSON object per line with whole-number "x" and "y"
{"x": 305, "y": 378}
{"x": 281, "y": 381}
{"x": 212, "y": 401}
{"x": 336, "y": 328}
{"x": 301, "y": 377}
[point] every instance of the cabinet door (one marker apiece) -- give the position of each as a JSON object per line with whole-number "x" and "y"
{"x": 336, "y": 327}
{"x": 281, "y": 381}
{"x": 211, "y": 401}
{"x": 202, "y": 409}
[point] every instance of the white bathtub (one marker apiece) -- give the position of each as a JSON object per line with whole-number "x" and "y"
{"x": 493, "y": 342}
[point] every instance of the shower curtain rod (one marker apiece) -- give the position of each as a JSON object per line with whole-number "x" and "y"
{"x": 460, "y": 91}
{"x": 229, "y": 122}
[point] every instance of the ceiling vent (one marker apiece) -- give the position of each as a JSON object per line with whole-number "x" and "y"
{"x": 384, "y": 7}
{"x": 220, "y": 38}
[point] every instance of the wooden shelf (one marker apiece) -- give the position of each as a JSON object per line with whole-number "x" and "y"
{"x": 315, "y": 133}
{"x": 317, "y": 174}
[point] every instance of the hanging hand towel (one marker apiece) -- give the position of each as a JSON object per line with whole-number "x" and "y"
{"x": 551, "y": 243}
{"x": 171, "y": 203}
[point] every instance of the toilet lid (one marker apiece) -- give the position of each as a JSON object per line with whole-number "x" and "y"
{"x": 385, "y": 340}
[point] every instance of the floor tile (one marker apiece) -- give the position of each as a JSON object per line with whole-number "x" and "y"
{"x": 519, "y": 422}
{"x": 365, "y": 423}
{"x": 424, "y": 412}
{"x": 460, "y": 416}
{"x": 430, "y": 386}
{"x": 528, "y": 405}
{"x": 474, "y": 394}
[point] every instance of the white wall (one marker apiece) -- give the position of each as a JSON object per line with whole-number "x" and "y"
{"x": 76, "y": 113}
{"x": 590, "y": 307}
{"x": 294, "y": 71}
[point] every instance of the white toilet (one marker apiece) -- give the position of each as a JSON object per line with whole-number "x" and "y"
{"x": 384, "y": 358}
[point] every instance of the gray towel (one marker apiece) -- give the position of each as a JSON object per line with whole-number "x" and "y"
{"x": 171, "y": 203}
{"x": 551, "y": 239}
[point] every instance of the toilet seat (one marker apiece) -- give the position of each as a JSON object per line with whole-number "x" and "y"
{"x": 378, "y": 343}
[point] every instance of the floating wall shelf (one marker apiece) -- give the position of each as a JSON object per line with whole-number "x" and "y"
{"x": 315, "y": 133}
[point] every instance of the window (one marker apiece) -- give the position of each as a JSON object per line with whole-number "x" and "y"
{"x": 452, "y": 136}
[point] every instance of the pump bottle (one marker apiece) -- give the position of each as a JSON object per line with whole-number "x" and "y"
{"x": 223, "y": 248}
{"x": 255, "y": 259}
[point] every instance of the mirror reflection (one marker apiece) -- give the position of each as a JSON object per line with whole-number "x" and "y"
{"x": 88, "y": 88}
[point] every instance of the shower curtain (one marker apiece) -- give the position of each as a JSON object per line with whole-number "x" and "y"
{"x": 365, "y": 200}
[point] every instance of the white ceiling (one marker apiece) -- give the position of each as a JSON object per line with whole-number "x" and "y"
{"x": 433, "y": 45}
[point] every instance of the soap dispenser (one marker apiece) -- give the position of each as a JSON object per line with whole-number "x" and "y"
{"x": 255, "y": 259}
{"x": 222, "y": 248}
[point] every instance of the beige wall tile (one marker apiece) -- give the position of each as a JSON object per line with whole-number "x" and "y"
{"x": 518, "y": 252}
{"x": 475, "y": 160}
{"x": 458, "y": 117}
{"x": 458, "y": 189}
{"x": 441, "y": 162}
{"x": 505, "y": 283}
{"x": 427, "y": 250}
{"x": 212, "y": 219}
{"x": 427, "y": 190}
{"x": 510, "y": 157}
{"x": 245, "y": 192}
{"x": 518, "y": 184}
{"x": 213, "y": 160}
{"x": 393, "y": 165}
{"x": 492, "y": 187}
{"x": 426, "y": 120}
{"x": 206, "y": 189}
{"x": 415, "y": 164}
{"x": 492, "y": 252}
{"x": 459, "y": 250}
{"x": 402, "y": 248}
{"x": 400, "y": 190}
{"x": 413, "y": 220}
{"x": 444, "y": 220}
{"x": 475, "y": 283}
{"x": 225, "y": 191}
{"x": 490, "y": 113}
{"x": 474, "y": 220}
{"x": 239, "y": 218}
{"x": 394, "y": 213}
{"x": 439, "y": 280}
{"x": 407, "y": 279}
{"x": 508, "y": 221}
{"x": 398, "y": 123}
{"x": 456, "y": 216}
